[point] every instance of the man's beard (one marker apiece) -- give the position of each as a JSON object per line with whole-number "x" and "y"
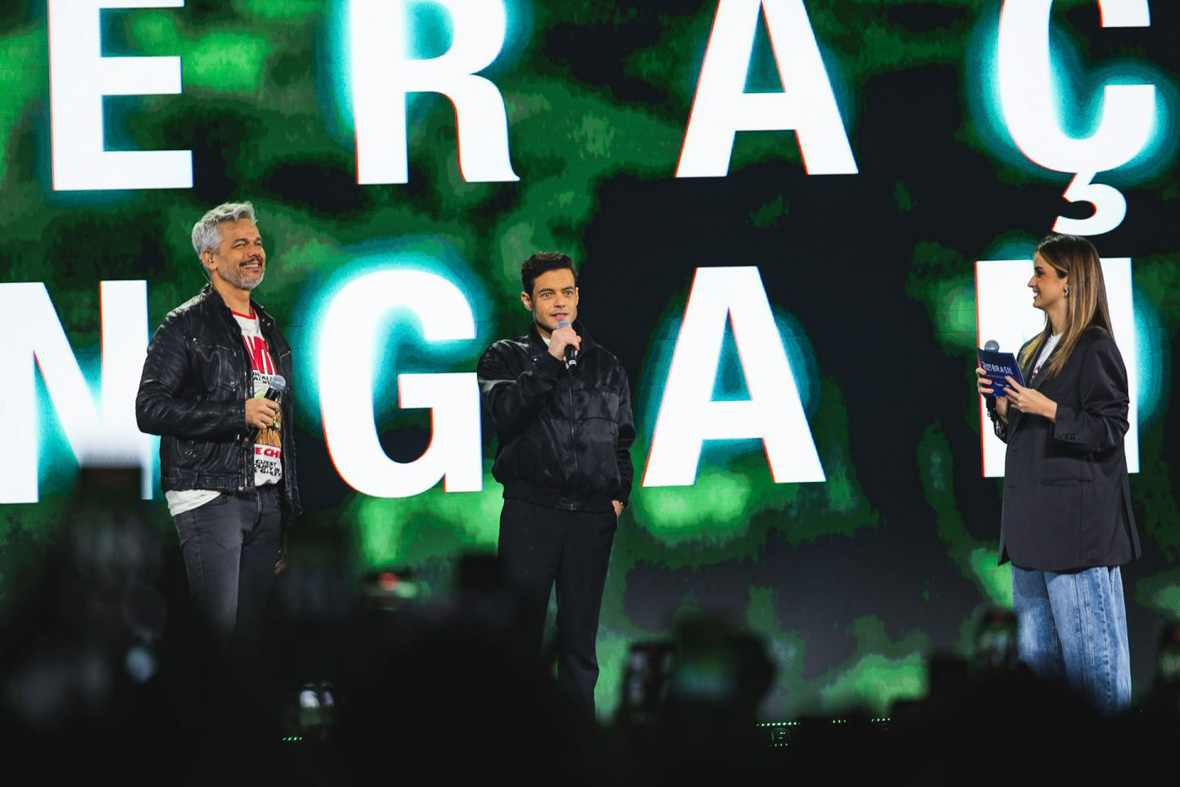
{"x": 237, "y": 279}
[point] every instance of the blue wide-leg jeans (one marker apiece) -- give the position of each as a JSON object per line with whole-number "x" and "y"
{"x": 1073, "y": 627}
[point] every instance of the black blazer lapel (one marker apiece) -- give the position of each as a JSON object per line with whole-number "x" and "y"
{"x": 1016, "y": 417}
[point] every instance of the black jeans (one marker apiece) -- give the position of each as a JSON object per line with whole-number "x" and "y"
{"x": 540, "y": 546}
{"x": 230, "y": 546}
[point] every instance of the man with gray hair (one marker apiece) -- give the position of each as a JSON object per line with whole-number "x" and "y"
{"x": 215, "y": 388}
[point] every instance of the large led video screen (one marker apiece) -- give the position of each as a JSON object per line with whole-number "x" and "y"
{"x": 795, "y": 221}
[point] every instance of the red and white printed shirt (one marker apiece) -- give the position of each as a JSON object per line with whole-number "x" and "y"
{"x": 268, "y": 443}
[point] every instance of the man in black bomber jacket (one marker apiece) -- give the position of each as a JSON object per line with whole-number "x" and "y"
{"x": 227, "y": 460}
{"x": 561, "y": 406}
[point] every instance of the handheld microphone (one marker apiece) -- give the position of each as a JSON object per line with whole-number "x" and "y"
{"x": 276, "y": 388}
{"x": 571, "y": 352}
{"x": 274, "y": 391}
{"x": 991, "y": 345}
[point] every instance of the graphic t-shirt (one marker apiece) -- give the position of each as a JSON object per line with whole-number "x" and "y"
{"x": 268, "y": 443}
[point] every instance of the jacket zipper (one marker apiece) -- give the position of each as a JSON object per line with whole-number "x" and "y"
{"x": 283, "y": 436}
{"x": 249, "y": 389}
{"x": 572, "y": 446}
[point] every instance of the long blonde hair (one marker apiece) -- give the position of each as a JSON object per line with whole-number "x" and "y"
{"x": 1085, "y": 299}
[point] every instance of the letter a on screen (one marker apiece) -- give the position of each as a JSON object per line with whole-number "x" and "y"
{"x": 689, "y": 415}
{"x": 722, "y": 107}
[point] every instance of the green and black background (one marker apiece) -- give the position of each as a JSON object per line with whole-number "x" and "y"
{"x": 852, "y": 583}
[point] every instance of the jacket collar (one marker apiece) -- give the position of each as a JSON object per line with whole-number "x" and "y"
{"x": 212, "y": 296}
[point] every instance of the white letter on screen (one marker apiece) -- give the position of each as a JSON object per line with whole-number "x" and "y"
{"x": 31, "y": 336}
{"x": 383, "y": 74}
{"x": 722, "y": 107}
{"x": 689, "y": 416}
{"x": 346, "y": 358}
{"x": 1030, "y": 100}
{"x": 1110, "y": 207}
{"x": 79, "y": 77}
{"x": 1006, "y": 314}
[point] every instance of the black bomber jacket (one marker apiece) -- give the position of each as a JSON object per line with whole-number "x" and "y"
{"x": 193, "y": 391}
{"x": 563, "y": 434}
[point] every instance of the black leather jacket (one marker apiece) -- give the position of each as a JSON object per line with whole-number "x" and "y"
{"x": 193, "y": 391}
{"x": 564, "y": 436}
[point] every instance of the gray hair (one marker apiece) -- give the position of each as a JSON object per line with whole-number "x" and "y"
{"x": 206, "y": 236}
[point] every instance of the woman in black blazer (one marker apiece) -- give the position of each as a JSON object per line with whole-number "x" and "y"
{"x": 1067, "y": 524}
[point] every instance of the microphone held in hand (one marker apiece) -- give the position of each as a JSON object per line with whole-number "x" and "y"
{"x": 275, "y": 388}
{"x": 991, "y": 345}
{"x": 571, "y": 352}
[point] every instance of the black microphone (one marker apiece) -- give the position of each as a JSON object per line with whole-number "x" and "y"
{"x": 278, "y": 386}
{"x": 571, "y": 352}
{"x": 274, "y": 391}
{"x": 991, "y": 345}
